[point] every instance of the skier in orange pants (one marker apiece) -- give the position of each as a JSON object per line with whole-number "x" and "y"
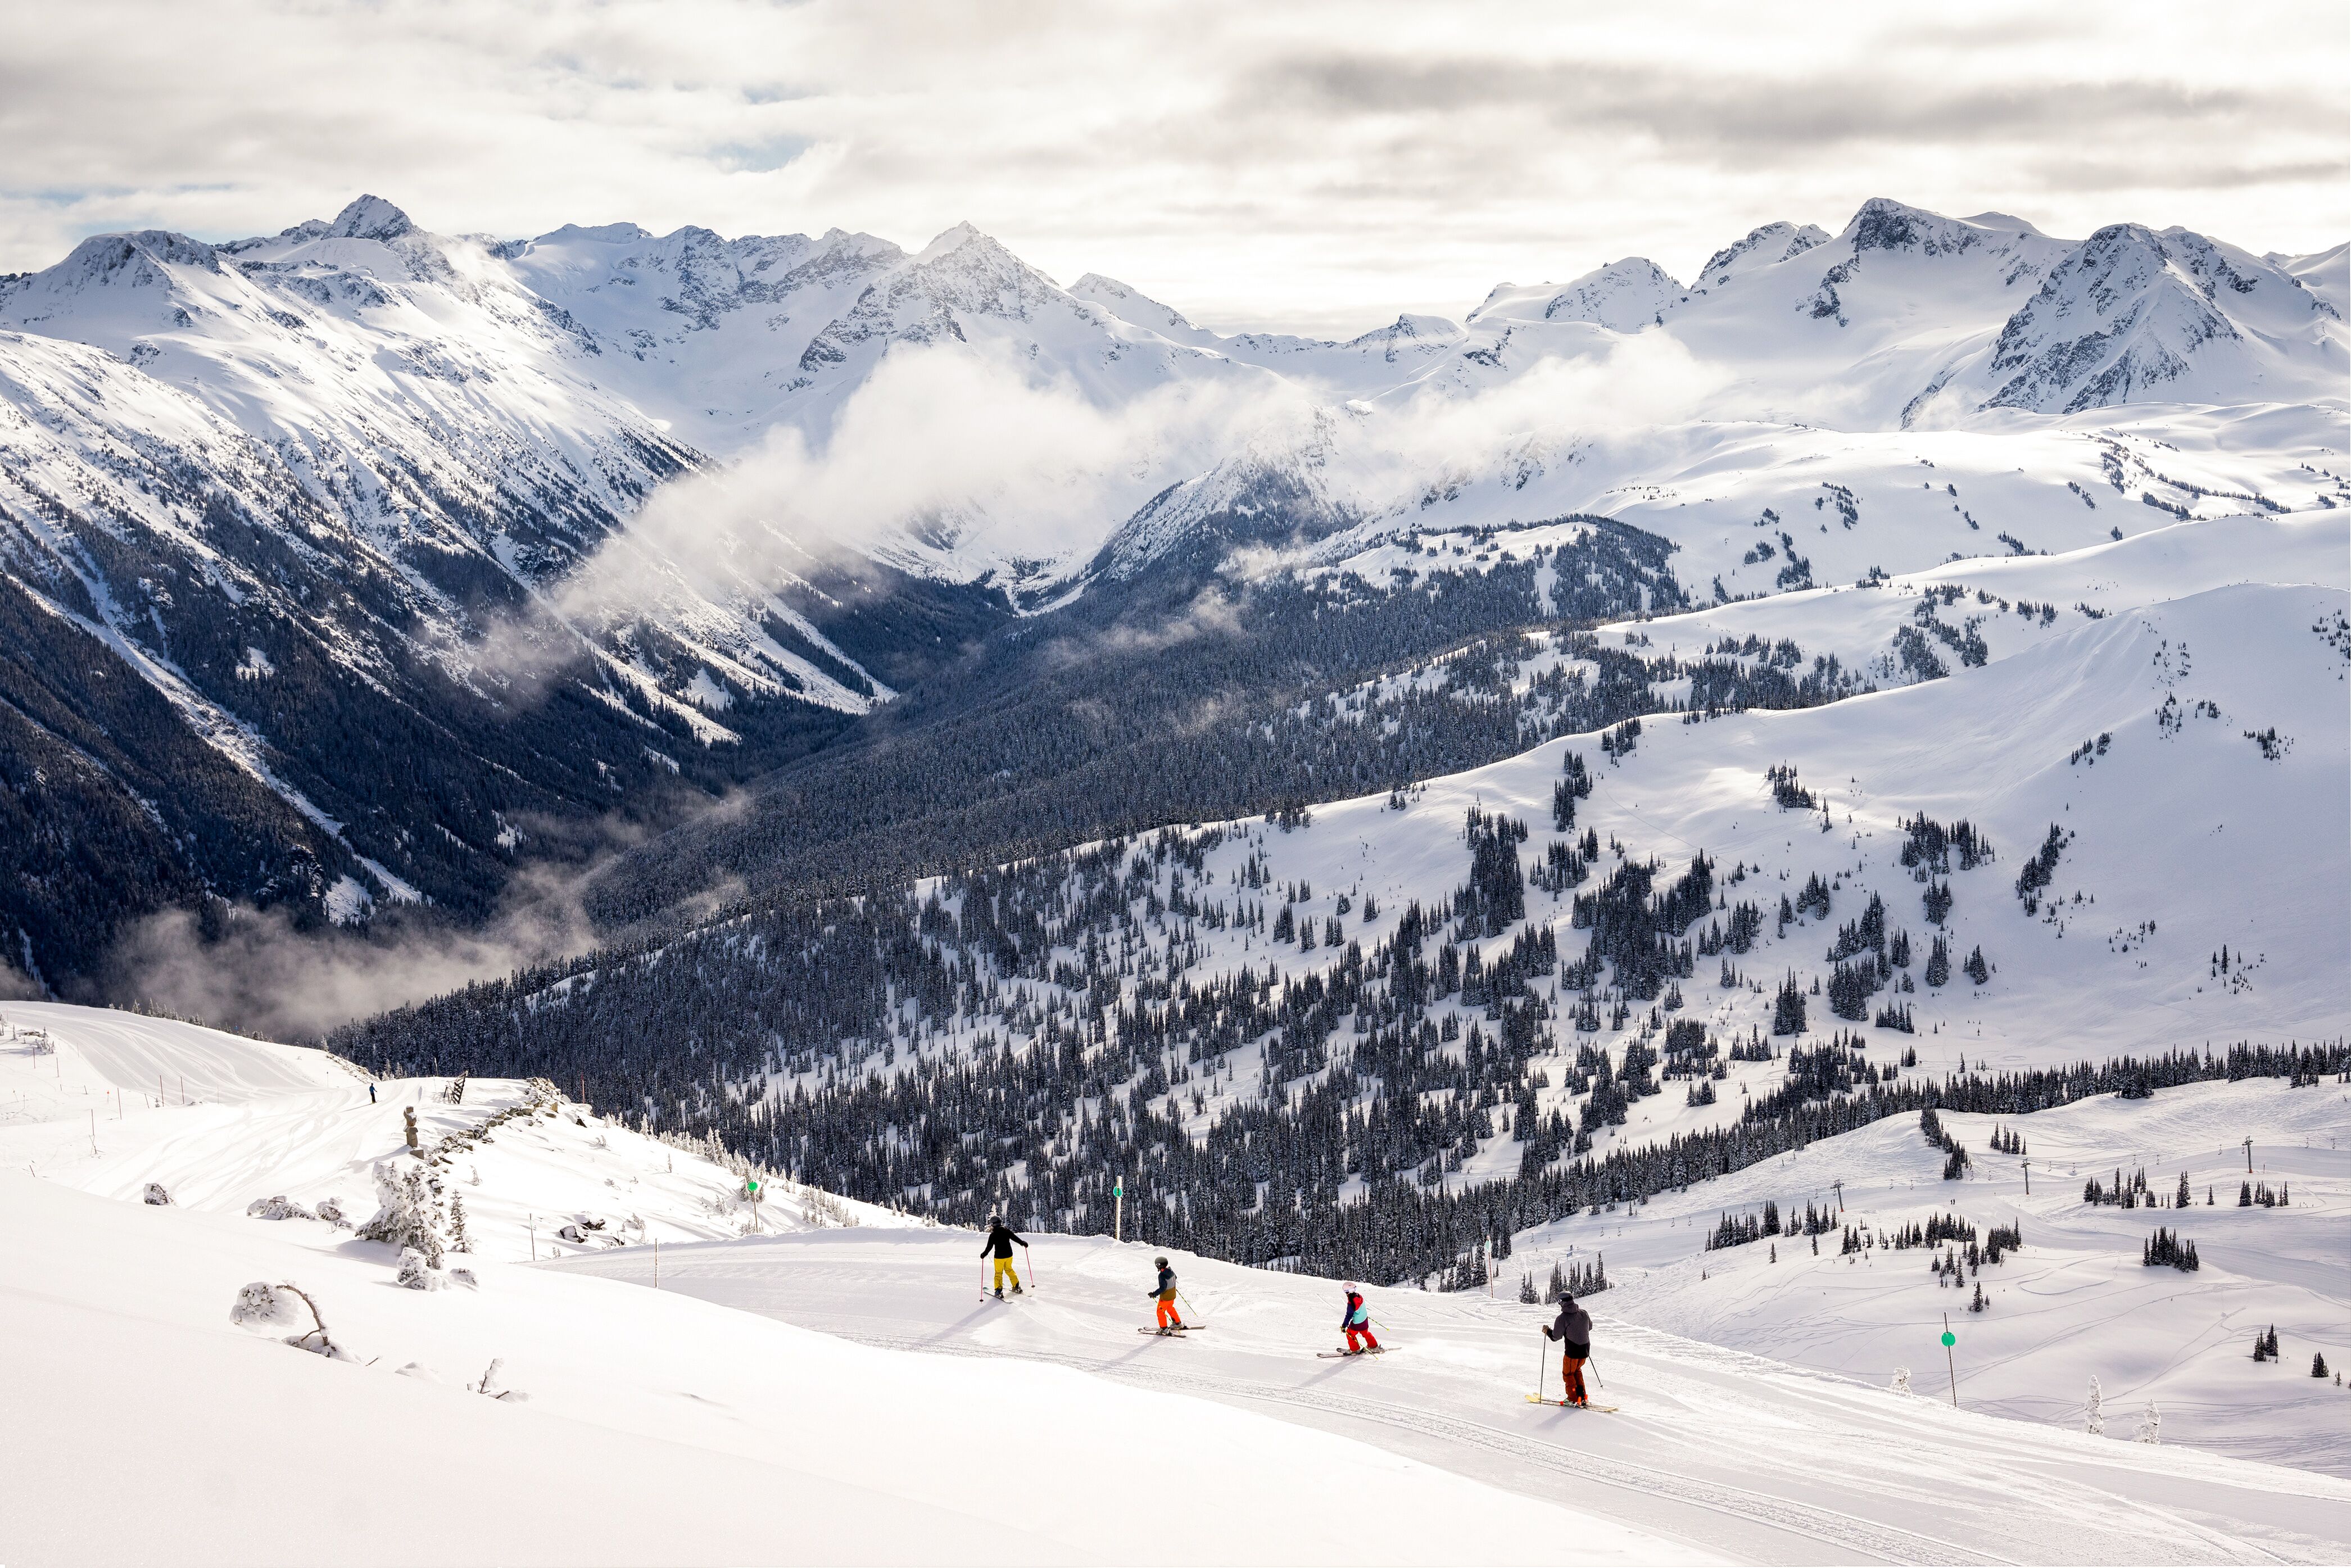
{"x": 1573, "y": 1331}
{"x": 1163, "y": 1293}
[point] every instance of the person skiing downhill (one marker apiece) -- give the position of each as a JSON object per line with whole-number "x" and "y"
{"x": 999, "y": 1246}
{"x": 1357, "y": 1319}
{"x": 1572, "y": 1329}
{"x": 1163, "y": 1293}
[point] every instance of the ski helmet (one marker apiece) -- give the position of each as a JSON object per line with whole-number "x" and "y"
{"x": 996, "y": 1219}
{"x": 1159, "y": 1262}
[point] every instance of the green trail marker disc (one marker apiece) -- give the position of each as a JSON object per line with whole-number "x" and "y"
{"x": 1949, "y": 1339}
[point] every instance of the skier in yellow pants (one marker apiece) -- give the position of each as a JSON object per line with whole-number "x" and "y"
{"x": 999, "y": 1246}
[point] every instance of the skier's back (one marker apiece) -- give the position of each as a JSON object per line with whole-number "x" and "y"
{"x": 999, "y": 1246}
{"x": 1164, "y": 1292}
{"x": 1572, "y": 1329}
{"x": 1356, "y": 1321}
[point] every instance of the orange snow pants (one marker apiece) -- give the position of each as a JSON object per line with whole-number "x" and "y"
{"x": 1167, "y": 1316}
{"x": 1571, "y": 1374}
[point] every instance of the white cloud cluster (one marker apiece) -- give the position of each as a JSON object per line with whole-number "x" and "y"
{"x": 1315, "y": 165}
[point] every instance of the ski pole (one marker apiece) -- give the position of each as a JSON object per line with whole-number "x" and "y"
{"x": 1029, "y": 1257}
{"x": 1593, "y": 1362}
{"x": 1188, "y": 1304}
{"x": 1542, "y": 1367}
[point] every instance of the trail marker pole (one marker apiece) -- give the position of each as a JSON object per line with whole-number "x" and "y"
{"x": 1118, "y": 1209}
{"x": 2028, "y": 1177}
{"x": 2248, "y": 1157}
{"x": 1950, "y": 1339}
{"x": 656, "y": 1262}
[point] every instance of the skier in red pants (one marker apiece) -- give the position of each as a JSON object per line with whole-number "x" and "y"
{"x": 1357, "y": 1321}
{"x": 1572, "y": 1329}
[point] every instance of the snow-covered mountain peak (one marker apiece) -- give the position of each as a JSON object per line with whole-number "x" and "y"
{"x": 1136, "y": 308}
{"x": 371, "y": 217}
{"x": 1765, "y": 246}
{"x": 950, "y": 240}
{"x": 2131, "y": 311}
{"x": 595, "y": 234}
{"x": 1623, "y": 296}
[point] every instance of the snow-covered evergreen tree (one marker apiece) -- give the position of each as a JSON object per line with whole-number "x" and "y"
{"x": 2150, "y": 1425}
{"x": 408, "y": 1215}
{"x": 2093, "y": 1408}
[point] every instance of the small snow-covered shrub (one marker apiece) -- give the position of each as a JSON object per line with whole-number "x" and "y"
{"x": 156, "y": 1195}
{"x": 415, "y": 1274}
{"x": 331, "y": 1210}
{"x": 2150, "y": 1425}
{"x": 1901, "y": 1383}
{"x": 464, "y": 1277}
{"x": 263, "y": 1305}
{"x": 277, "y": 1207}
{"x": 2092, "y": 1412}
{"x": 489, "y": 1384}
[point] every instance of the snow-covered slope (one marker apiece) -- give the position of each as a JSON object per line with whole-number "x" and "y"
{"x": 1723, "y": 1451}
{"x": 2074, "y": 1303}
{"x": 761, "y": 1440}
{"x": 768, "y": 1390}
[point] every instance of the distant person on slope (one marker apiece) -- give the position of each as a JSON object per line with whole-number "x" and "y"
{"x": 999, "y": 1246}
{"x": 1357, "y": 1319}
{"x": 1163, "y": 1293}
{"x": 1574, "y": 1330}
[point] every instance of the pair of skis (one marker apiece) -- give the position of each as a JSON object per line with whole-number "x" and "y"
{"x": 1349, "y": 1355}
{"x": 1570, "y": 1405}
{"x": 1177, "y": 1332}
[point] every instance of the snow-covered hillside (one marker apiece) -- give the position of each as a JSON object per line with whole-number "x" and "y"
{"x": 749, "y": 1397}
{"x": 2075, "y": 1302}
{"x": 757, "y": 1439}
{"x": 1719, "y": 1451}
{"x": 109, "y": 1102}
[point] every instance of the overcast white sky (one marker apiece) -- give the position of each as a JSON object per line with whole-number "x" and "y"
{"x": 1296, "y": 164}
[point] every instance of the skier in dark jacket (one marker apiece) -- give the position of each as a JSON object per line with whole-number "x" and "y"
{"x": 999, "y": 1246}
{"x": 1357, "y": 1321}
{"x": 1163, "y": 1293}
{"x": 1572, "y": 1329}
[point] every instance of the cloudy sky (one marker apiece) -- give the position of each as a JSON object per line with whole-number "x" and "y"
{"x": 1302, "y": 165}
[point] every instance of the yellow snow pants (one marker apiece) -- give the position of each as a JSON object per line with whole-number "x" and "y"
{"x": 1003, "y": 1269}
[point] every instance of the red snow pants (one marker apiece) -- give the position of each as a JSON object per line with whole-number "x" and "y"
{"x": 1366, "y": 1331}
{"x": 1571, "y": 1372}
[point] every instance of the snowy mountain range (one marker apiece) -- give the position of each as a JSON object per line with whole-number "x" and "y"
{"x": 343, "y": 567}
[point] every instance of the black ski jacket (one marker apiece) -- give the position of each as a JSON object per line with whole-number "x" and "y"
{"x": 1575, "y": 1326}
{"x": 999, "y": 1242}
